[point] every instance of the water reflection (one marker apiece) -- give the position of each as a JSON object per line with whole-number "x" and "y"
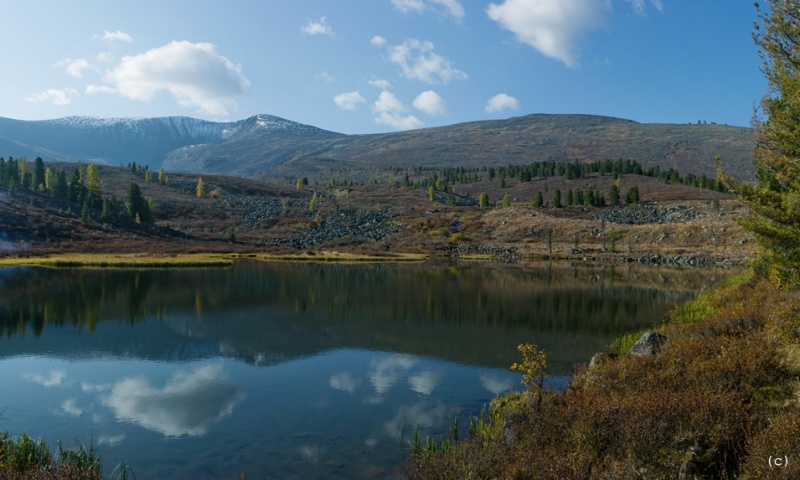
{"x": 271, "y": 313}
{"x": 295, "y": 371}
{"x": 54, "y": 378}
{"x": 186, "y": 405}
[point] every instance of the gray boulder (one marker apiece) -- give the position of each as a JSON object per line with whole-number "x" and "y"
{"x": 649, "y": 344}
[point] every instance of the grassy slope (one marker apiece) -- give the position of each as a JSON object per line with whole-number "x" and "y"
{"x": 37, "y": 225}
{"x": 720, "y": 400}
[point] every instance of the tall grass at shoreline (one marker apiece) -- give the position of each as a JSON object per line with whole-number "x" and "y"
{"x": 187, "y": 260}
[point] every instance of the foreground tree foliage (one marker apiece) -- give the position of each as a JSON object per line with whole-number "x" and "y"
{"x": 775, "y": 201}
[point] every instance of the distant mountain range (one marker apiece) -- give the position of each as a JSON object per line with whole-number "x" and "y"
{"x": 266, "y": 146}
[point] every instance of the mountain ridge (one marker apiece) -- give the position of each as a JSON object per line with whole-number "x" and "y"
{"x": 269, "y": 147}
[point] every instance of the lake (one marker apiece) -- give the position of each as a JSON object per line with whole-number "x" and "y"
{"x": 282, "y": 370}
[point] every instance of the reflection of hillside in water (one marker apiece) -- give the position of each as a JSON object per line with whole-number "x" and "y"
{"x": 267, "y": 313}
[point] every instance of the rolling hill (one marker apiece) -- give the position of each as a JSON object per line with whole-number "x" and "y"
{"x": 269, "y": 147}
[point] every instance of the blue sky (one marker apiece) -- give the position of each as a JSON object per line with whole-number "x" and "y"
{"x": 367, "y": 66}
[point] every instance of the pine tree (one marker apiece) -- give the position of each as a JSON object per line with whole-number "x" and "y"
{"x": 774, "y": 203}
{"x": 632, "y": 197}
{"x": 38, "y": 175}
{"x": 105, "y": 216}
{"x": 613, "y": 195}
{"x": 506, "y": 201}
{"x": 557, "y": 199}
{"x": 539, "y": 202}
{"x": 138, "y": 208}
{"x": 483, "y": 200}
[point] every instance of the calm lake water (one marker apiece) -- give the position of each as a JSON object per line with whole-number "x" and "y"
{"x": 295, "y": 370}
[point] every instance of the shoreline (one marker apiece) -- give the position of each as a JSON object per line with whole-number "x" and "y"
{"x": 226, "y": 259}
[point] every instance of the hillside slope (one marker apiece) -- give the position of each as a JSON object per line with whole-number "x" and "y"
{"x": 521, "y": 140}
{"x": 270, "y": 147}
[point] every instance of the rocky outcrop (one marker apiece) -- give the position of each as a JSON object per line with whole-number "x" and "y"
{"x": 358, "y": 225}
{"x": 649, "y": 344}
{"x": 648, "y": 213}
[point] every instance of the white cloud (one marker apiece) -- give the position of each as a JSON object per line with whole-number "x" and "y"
{"x": 187, "y": 404}
{"x": 378, "y": 41}
{"x": 75, "y": 67}
{"x": 92, "y": 89}
{"x": 501, "y": 101}
{"x": 349, "y": 100}
{"x": 452, "y": 8}
{"x": 420, "y": 62}
{"x": 409, "y": 5}
{"x": 320, "y": 27}
{"x": 380, "y": 83}
{"x": 194, "y": 73}
{"x": 325, "y": 77}
{"x": 117, "y": 36}
{"x": 54, "y": 96}
{"x": 390, "y": 111}
{"x": 104, "y": 57}
{"x": 431, "y": 103}
{"x": 553, "y": 27}
{"x": 640, "y": 6}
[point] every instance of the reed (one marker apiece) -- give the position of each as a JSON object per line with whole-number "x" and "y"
{"x": 25, "y": 457}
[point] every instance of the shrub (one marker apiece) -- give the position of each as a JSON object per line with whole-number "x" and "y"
{"x": 717, "y": 401}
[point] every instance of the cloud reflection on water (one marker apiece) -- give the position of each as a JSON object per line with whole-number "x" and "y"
{"x": 497, "y": 384}
{"x": 386, "y": 372}
{"x": 71, "y": 408}
{"x": 425, "y": 382}
{"x": 55, "y": 378}
{"x": 187, "y": 404}
{"x": 344, "y": 382}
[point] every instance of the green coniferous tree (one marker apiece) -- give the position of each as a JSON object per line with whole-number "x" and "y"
{"x": 613, "y": 195}
{"x": 60, "y": 187}
{"x": 105, "y": 215}
{"x": 38, "y": 175}
{"x": 85, "y": 211}
{"x": 774, "y": 202}
{"x": 632, "y": 197}
{"x": 557, "y": 199}
{"x": 539, "y": 202}
{"x": 138, "y": 208}
{"x": 506, "y": 201}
